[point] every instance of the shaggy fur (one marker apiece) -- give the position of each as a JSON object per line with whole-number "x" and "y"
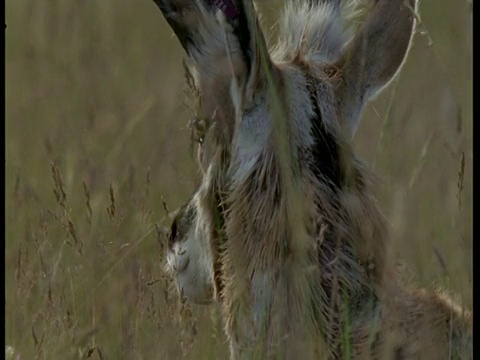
{"x": 284, "y": 226}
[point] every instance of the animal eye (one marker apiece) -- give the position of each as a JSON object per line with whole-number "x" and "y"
{"x": 198, "y": 129}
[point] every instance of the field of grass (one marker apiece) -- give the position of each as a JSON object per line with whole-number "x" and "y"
{"x": 97, "y": 146}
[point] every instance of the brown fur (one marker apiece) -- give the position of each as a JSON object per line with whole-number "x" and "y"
{"x": 403, "y": 324}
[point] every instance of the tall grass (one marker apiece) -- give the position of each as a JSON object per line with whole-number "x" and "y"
{"x": 96, "y": 144}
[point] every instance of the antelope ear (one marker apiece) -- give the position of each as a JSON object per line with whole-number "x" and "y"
{"x": 223, "y": 41}
{"x": 175, "y": 14}
{"x": 248, "y": 34}
{"x": 374, "y": 56}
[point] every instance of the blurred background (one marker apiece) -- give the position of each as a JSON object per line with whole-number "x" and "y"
{"x": 97, "y": 150}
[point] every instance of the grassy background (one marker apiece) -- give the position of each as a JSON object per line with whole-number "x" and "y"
{"x": 96, "y": 140}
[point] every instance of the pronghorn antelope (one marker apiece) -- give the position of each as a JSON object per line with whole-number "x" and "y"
{"x": 284, "y": 230}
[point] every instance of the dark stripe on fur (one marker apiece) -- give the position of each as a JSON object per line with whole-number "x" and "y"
{"x": 326, "y": 162}
{"x": 343, "y": 280}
